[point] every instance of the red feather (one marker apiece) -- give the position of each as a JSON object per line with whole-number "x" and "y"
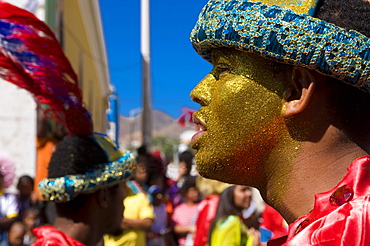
{"x": 31, "y": 58}
{"x": 186, "y": 117}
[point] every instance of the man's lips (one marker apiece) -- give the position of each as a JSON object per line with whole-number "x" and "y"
{"x": 202, "y": 130}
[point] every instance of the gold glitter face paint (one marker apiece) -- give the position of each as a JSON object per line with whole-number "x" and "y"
{"x": 240, "y": 116}
{"x": 298, "y": 6}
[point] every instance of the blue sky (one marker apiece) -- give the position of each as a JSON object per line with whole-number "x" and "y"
{"x": 176, "y": 67}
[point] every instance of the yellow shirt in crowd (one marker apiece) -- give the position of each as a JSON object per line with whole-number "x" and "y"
{"x": 137, "y": 206}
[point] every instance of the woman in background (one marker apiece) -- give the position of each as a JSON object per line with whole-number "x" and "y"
{"x": 227, "y": 228}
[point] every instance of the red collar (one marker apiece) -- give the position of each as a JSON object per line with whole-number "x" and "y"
{"x": 48, "y": 235}
{"x": 340, "y": 216}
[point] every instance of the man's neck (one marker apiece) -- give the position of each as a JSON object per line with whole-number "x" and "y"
{"x": 317, "y": 167}
{"x": 80, "y": 231}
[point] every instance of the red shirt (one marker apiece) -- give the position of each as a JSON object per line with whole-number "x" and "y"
{"x": 340, "y": 216}
{"x": 207, "y": 211}
{"x": 49, "y": 236}
{"x": 272, "y": 224}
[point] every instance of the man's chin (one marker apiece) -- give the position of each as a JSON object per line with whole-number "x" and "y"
{"x": 232, "y": 173}
{"x": 211, "y": 171}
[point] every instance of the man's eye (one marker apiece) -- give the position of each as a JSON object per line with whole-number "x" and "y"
{"x": 218, "y": 70}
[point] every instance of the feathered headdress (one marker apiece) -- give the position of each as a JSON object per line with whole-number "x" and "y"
{"x": 31, "y": 58}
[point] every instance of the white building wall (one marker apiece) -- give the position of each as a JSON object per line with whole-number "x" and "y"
{"x": 18, "y": 128}
{"x": 18, "y": 114}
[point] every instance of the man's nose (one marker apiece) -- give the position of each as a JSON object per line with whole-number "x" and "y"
{"x": 202, "y": 93}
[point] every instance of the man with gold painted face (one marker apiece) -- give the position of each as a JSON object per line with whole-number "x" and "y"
{"x": 286, "y": 109}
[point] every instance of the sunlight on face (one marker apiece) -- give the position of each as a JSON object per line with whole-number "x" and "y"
{"x": 240, "y": 109}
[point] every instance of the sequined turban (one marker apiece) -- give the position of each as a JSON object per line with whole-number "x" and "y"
{"x": 287, "y": 33}
{"x": 118, "y": 169}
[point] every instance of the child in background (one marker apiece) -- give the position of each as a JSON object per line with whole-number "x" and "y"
{"x": 156, "y": 236}
{"x": 25, "y": 197}
{"x": 20, "y": 233}
{"x": 186, "y": 160}
{"x": 30, "y": 220}
{"x": 140, "y": 177}
{"x": 185, "y": 215}
{"x": 138, "y": 213}
{"x": 16, "y": 234}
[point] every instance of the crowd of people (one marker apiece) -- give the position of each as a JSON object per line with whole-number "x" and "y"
{"x": 159, "y": 211}
{"x": 284, "y": 109}
{"x": 186, "y": 209}
{"x": 20, "y": 211}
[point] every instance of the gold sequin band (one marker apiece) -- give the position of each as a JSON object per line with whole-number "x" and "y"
{"x": 286, "y": 36}
{"x": 63, "y": 189}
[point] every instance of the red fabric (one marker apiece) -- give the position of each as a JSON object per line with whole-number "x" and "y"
{"x": 273, "y": 222}
{"x": 341, "y": 224}
{"x": 49, "y": 236}
{"x": 277, "y": 242}
{"x": 207, "y": 210}
{"x": 186, "y": 117}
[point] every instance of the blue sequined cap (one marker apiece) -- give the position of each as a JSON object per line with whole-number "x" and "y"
{"x": 118, "y": 169}
{"x": 286, "y": 36}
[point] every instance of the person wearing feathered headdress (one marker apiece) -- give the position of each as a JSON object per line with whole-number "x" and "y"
{"x": 8, "y": 201}
{"x": 286, "y": 109}
{"x": 87, "y": 170}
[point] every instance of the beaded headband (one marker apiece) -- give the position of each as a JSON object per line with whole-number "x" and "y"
{"x": 287, "y": 36}
{"x": 118, "y": 169}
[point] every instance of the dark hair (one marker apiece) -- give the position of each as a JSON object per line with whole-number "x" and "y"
{"x": 225, "y": 207}
{"x": 25, "y": 178}
{"x": 75, "y": 155}
{"x": 188, "y": 183}
{"x": 349, "y": 104}
{"x": 348, "y": 14}
{"x": 31, "y": 210}
{"x": 142, "y": 150}
{"x": 187, "y": 157}
{"x": 142, "y": 159}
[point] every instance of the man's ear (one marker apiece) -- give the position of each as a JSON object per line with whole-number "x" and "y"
{"x": 299, "y": 92}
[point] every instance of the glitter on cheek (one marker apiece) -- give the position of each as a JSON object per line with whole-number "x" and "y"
{"x": 247, "y": 140}
{"x": 243, "y": 122}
